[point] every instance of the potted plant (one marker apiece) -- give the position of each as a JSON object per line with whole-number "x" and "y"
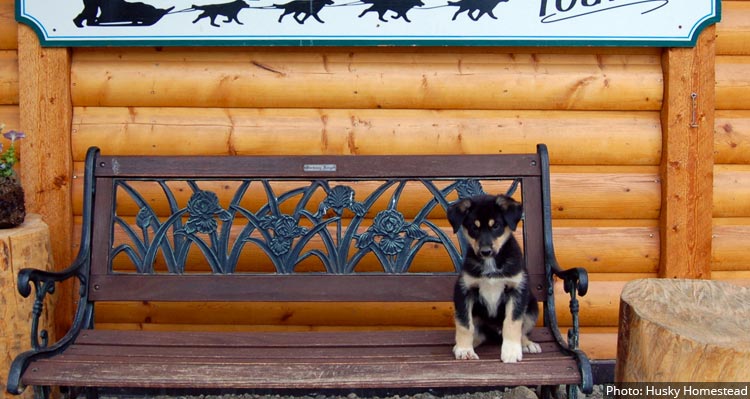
{"x": 12, "y": 208}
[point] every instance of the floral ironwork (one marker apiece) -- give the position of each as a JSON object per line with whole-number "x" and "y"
{"x": 286, "y": 224}
{"x": 285, "y": 229}
{"x": 340, "y": 198}
{"x": 468, "y": 188}
{"x": 390, "y": 226}
{"x": 203, "y": 208}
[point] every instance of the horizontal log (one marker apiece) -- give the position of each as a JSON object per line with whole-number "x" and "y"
{"x": 8, "y": 77}
{"x": 731, "y": 248}
{"x": 732, "y": 82}
{"x": 731, "y": 191}
{"x": 733, "y": 32}
{"x": 608, "y": 249}
{"x": 599, "y": 343}
{"x": 595, "y": 138}
{"x": 354, "y": 55}
{"x": 8, "y": 26}
{"x": 617, "y": 195}
{"x": 741, "y": 278}
{"x": 599, "y": 195}
{"x": 599, "y": 307}
{"x": 732, "y": 137}
{"x": 344, "y": 80}
{"x": 9, "y": 115}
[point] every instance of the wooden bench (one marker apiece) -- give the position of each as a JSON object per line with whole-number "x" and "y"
{"x": 327, "y": 229}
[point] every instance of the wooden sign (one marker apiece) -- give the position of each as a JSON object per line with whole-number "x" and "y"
{"x": 368, "y": 22}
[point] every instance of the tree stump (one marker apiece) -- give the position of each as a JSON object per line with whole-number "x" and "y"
{"x": 683, "y": 331}
{"x": 27, "y": 245}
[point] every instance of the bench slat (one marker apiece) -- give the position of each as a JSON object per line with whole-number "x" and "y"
{"x": 284, "y": 288}
{"x": 280, "y": 339}
{"x": 307, "y": 167}
{"x": 386, "y": 359}
{"x": 199, "y": 354}
{"x": 430, "y": 374}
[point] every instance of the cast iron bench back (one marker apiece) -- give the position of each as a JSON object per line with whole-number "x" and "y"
{"x": 299, "y": 228}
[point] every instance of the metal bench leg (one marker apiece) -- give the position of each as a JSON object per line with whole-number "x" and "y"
{"x": 572, "y": 391}
{"x": 41, "y": 392}
{"x": 87, "y": 392}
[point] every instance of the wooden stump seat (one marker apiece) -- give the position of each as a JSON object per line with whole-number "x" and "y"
{"x": 683, "y": 330}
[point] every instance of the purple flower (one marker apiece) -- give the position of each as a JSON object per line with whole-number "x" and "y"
{"x": 14, "y": 135}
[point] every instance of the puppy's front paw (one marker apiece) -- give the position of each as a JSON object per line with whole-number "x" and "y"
{"x": 511, "y": 352}
{"x": 464, "y": 353}
{"x": 531, "y": 347}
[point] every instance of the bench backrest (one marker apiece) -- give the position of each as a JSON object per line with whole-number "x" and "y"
{"x": 294, "y": 228}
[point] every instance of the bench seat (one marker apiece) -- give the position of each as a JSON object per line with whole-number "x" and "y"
{"x": 305, "y": 360}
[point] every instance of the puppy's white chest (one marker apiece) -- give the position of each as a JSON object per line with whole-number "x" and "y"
{"x": 491, "y": 291}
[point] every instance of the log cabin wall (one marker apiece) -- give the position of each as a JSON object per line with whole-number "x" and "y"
{"x": 599, "y": 110}
{"x": 731, "y": 232}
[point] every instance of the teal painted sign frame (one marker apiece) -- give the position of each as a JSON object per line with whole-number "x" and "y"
{"x": 651, "y": 23}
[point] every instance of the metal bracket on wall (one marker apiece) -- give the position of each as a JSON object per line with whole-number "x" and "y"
{"x": 694, "y": 116}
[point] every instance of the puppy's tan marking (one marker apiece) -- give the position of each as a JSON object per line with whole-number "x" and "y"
{"x": 496, "y": 244}
{"x": 511, "y": 350}
{"x": 464, "y": 348}
{"x": 500, "y": 241}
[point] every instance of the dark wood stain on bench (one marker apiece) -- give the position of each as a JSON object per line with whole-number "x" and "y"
{"x": 310, "y": 210}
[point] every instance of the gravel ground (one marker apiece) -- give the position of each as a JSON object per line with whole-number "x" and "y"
{"x": 515, "y": 393}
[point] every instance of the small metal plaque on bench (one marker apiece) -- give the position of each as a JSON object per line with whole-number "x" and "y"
{"x": 325, "y": 167}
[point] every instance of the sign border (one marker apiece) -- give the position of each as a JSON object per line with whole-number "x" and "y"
{"x": 688, "y": 41}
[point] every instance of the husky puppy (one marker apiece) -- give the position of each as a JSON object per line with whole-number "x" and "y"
{"x": 491, "y": 296}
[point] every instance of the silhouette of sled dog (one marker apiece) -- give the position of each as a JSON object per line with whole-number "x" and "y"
{"x": 308, "y": 8}
{"x": 228, "y": 10}
{"x": 476, "y": 8}
{"x": 400, "y": 7}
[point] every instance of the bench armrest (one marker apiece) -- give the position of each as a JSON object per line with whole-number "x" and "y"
{"x": 576, "y": 283}
{"x": 575, "y": 279}
{"x": 44, "y": 283}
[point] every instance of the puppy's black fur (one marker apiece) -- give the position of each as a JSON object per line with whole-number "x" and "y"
{"x": 491, "y": 296}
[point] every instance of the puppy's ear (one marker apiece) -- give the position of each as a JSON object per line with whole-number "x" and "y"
{"x": 457, "y": 212}
{"x": 512, "y": 210}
